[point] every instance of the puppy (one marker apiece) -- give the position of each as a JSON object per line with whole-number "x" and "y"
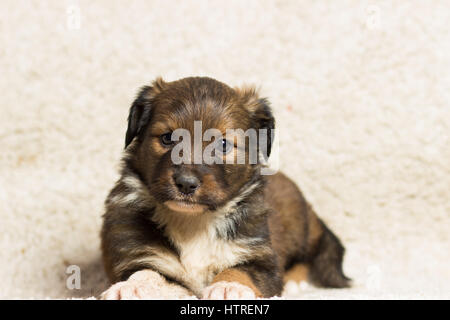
{"x": 221, "y": 230}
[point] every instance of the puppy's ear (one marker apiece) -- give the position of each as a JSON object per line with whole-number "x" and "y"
{"x": 141, "y": 110}
{"x": 139, "y": 114}
{"x": 260, "y": 113}
{"x": 264, "y": 118}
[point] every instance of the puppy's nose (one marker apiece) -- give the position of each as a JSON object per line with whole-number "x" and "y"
{"x": 187, "y": 183}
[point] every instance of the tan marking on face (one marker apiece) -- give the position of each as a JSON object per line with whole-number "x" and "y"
{"x": 297, "y": 273}
{"x": 157, "y": 147}
{"x": 166, "y": 125}
{"x": 236, "y": 275}
{"x": 210, "y": 185}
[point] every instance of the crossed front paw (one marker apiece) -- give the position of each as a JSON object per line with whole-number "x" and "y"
{"x": 144, "y": 284}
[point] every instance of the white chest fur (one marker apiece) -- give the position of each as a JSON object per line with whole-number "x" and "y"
{"x": 201, "y": 253}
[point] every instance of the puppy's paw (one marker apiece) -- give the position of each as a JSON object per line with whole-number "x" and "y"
{"x": 129, "y": 290}
{"x": 225, "y": 290}
{"x": 143, "y": 284}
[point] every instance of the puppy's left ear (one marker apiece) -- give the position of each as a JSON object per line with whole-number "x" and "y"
{"x": 141, "y": 110}
{"x": 264, "y": 118}
{"x": 260, "y": 113}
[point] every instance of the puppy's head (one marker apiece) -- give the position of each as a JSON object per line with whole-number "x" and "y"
{"x": 191, "y": 119}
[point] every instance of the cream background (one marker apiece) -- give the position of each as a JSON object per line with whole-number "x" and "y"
{"x": 361, "y": 95}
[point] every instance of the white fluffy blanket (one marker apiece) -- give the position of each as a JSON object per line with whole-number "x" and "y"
{"x": 361, "y": 94}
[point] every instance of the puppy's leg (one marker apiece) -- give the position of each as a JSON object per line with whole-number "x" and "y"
{"x": 300, "y": 237}
{"x": 245, "y": 282}
{"x": 297, "y": 273}
{"x": 322, "y": 266}
{"x": 231, "y": 284}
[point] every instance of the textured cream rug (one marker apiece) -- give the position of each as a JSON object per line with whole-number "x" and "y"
{"x": 361, "y": 94}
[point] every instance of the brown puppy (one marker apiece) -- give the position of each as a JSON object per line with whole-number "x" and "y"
{"x": 220, "y": 230}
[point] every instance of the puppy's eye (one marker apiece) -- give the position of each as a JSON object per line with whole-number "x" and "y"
{"x": 166, "y": 139}
{"x": 226, "y": 146}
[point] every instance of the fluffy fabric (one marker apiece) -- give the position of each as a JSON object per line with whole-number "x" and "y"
{"x": 360, "y": 93}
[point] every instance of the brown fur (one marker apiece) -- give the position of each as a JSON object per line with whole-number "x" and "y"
{"x": 235, "y": 275}
{"x": 253, "y": 228}
{"x": 297, "y": 273}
